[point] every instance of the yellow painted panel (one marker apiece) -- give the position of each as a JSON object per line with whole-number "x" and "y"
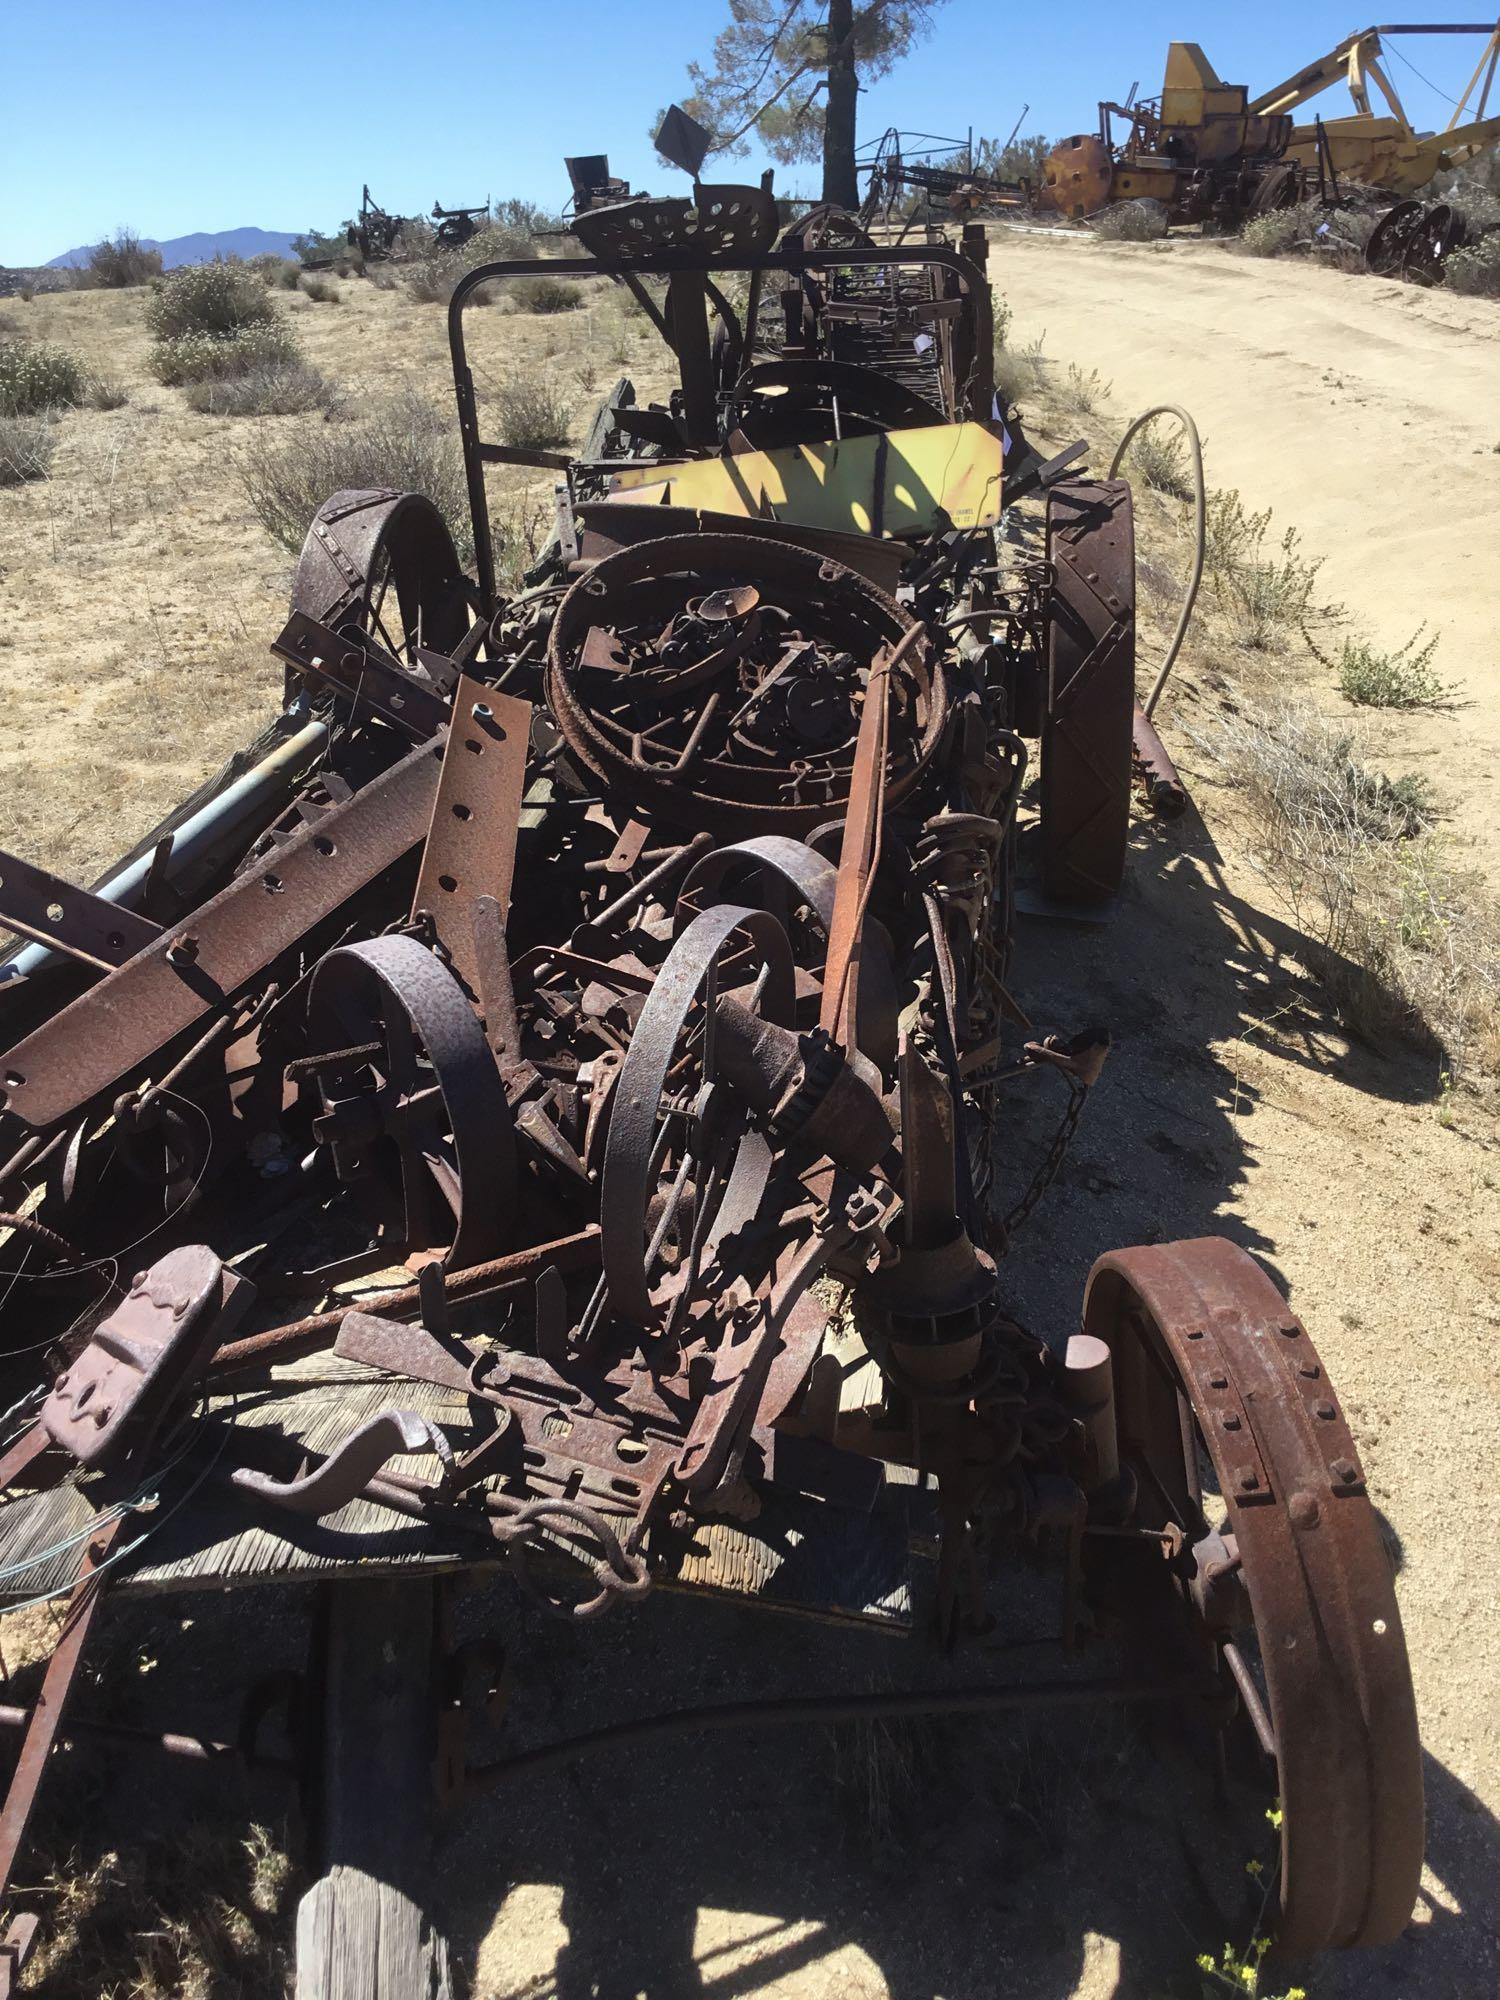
{"x": 898, "y": 483}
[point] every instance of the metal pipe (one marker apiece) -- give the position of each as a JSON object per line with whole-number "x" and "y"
{"x": 827, "y": 1709}
{"x": 235, "y": 805}
{"x": 200, "y": 1749}
{"x": 1155, "y": 772}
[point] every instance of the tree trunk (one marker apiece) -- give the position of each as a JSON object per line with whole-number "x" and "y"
{"x": 840, "y": 184}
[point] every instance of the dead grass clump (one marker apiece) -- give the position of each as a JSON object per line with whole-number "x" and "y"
{"x": 1401, "y": 940}
{"x": 532, "y": 412}
{"x": 543, "y": 294}
{"x": 105, "y": 392}
{"x": 406, "y": 442}
{"x": 118, "y": 262}
{"x": 26, "y": 448}
{"x": 322, "y": 291}
{"x": 1131, "y": 222}
{"x": 1400, "y": 678}
{"x": 275, "y": 273}
{"x": 1267, "y": 590}
{"x": 275, "y": 388}
{"x": 1476, "y": 268}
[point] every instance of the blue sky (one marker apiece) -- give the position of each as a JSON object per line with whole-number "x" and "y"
{"x": 172, "y": 116}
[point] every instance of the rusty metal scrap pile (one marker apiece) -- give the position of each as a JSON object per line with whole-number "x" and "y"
{"x": 570, "y": 979}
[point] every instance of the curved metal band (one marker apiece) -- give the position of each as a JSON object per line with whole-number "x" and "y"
{"x": 438, "y": 1013}
{"x": 1319, "y": 1577}
{"x": 626, "y": 1184}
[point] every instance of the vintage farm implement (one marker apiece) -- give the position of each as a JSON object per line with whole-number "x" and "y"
{"x": 560, "y": 1069}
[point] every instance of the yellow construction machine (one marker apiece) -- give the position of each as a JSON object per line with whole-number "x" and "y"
{"x": 1208, "y": 151}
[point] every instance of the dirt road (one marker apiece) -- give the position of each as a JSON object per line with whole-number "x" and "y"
{"x": 1365, "y": 412}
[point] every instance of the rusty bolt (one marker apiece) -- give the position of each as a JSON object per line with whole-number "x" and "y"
{"x": 1304, "y": 1510}
{"x": 1249, "y": 1481}
{"x": 1345, "y": 1471}
{"x": 183, "y": 950}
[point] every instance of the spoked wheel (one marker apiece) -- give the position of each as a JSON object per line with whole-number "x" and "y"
{"x": 682, "y": 1164}
{"x": 1242, "y": 1459}
{"x": 1439, "y": 232}
{"x": 383, "y": 562}
{"x": 1086, "y": 729}
{"x": 1390, "y": 237}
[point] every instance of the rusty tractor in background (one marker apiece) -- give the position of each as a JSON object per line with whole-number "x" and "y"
{"x": 579, "y": 971}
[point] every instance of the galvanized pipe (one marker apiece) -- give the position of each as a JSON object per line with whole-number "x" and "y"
{"x": 237, "y": 804}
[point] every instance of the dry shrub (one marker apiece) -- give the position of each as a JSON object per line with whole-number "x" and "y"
{"x": 406, "y": 443}
{"x": 35, "y": 375}
{"x": 430, "y": 280}
{"x": 218, "y": 298}
{"x": 1403, "y": 942}
{"x": 120, "y": 261}
{"x": 1335, "y": 236}
{"x": 543, "y": 294}
{"x": 1160, "y": 459}
{"x": 532, "y": 413}
{"x": 26, "y": 448}
{"x": 105, "y": 392}
{"x": 322, "y": 291}
{"x": 1476, "y": 268}
{"x": 275, "y": 388}
{"x": 219, "y": 357}
{"x": 1266, "y": 590}
{"x": 1399, "y": 678}
{"x": 1083, "y": 395}
{"x": 1141, "y": 221}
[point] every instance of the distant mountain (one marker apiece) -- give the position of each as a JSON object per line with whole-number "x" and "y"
{"x": 199, "y": 248}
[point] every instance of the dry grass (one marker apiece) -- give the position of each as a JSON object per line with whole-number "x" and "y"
{"x": 276, "y": 388}
{"x": 1476, "y": 268}
{"x": 1131, "y": 222}
{"x": 322, "y": 291}
{"x": 1083, "y": 395}
{"x": 1266, "y": 587}
{"x": 1403, "y": 942}
{"x": 119, "y": 261}
{"x": 26, "y": 448}
{"x": 533, "y": 413}
{"x": 405, "y": 442}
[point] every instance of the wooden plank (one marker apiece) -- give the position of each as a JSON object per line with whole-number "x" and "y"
{"x": 364, "y": 1931}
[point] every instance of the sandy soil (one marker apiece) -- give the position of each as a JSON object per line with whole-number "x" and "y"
{"x": 1365, "y": 412}
{"x": 1056, "y": 1859}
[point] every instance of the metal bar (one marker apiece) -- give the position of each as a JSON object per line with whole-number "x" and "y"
{"x": 827, "y": 1709}
{"x": 285, "y": 1343}
{"x": 470, "y": 849}
{"x": 199, "y": 966}
{"x": 200, "y": 1749}
{"x": 44, "y": 906}
{"x": 46, "y": 1717}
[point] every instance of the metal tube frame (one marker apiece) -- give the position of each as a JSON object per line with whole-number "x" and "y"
{"x": 978, "y": 391}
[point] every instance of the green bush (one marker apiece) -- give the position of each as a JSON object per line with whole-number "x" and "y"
{"x": 1402, "y": 678}
{"x": 209, "y": 357}
{"x": 214, "y": 299}
{"x": 26, "y": 448}
{"x": 120, "y": 261}
{"x": 35, "y": 375}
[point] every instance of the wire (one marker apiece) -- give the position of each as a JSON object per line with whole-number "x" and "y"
{"x": 1423, "y": 79}
{"x": 1200, "y": 533}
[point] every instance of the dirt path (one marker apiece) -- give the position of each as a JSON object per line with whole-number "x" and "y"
{"x": 1365, "y": 412}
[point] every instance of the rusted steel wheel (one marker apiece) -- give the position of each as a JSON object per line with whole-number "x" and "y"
{"x": 1235, "y": 1437}
{"x": 1086, "y": 728}
{"x": 385, "y": 562}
